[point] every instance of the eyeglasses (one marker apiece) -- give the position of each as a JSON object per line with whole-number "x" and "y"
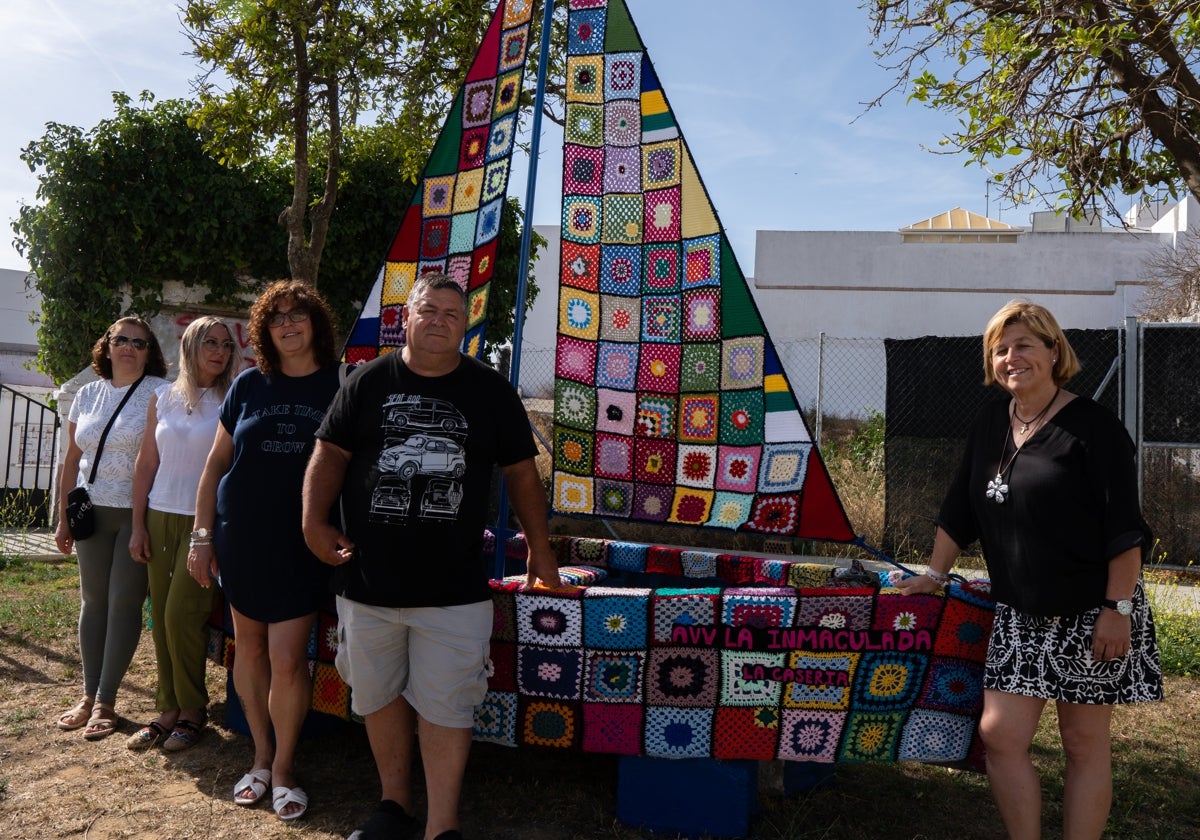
{"x": 296, "y": 316}
{"x": 211, "y": 345}
{"x": 122, "y": 340}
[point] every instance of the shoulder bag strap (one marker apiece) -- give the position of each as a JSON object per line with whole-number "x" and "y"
{"x": 111, "y": 420}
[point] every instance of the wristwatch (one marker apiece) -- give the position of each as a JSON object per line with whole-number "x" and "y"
{"x": 201, "y": 534}
{"x": 1124, "y": 606}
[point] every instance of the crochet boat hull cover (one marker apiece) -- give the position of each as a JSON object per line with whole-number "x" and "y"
{"x": 674, "y": 653}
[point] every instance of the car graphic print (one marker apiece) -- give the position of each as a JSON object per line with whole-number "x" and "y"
{"x": 424, "y": 455}
{"x": 404, "y": 413}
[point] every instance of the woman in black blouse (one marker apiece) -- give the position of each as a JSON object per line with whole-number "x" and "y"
{"x": 1048, "y": 485}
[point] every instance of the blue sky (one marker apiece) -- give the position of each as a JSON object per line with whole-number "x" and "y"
{"x": 767, "y": 100}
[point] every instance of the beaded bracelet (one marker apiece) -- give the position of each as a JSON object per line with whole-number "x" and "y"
{"x": 194, "y": 543}
{"x": 940, "y": 578}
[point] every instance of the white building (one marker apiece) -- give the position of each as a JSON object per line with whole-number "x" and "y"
{"x": 946, "y": 275}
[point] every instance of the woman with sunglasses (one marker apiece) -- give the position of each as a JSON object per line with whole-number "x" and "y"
{"x": 247, "y": 528}
{"x": 112, "y": 586}
{"x": 180, "y": 425}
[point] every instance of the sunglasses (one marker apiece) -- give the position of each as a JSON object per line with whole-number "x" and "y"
{"x": 122, "y": 340}
{"x": 296, "y": 316}
{"x": 211, "y": 345}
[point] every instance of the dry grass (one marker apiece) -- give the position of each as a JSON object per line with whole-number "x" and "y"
{"x": 54, "y": 784}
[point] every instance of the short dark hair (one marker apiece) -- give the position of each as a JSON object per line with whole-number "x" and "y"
{"x": 305, "y": 297}
{"x": 433, "y": 282}
{"x": 156, "y": 365}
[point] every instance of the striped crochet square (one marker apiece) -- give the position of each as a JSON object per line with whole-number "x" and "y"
{"x": 758, "y": 607}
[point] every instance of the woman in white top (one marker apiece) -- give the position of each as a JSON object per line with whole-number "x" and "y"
{"x": 180, "y": 426}
{"x": 112, "y": 586}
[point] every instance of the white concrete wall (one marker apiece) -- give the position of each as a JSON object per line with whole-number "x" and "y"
{"x": 870, "y": 284}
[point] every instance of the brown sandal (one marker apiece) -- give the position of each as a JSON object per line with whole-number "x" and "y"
{"x": 102, "y": 723}
{"x": 78, "y": 717}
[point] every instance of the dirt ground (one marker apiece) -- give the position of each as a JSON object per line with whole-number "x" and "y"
{"x": 56, "y": 784}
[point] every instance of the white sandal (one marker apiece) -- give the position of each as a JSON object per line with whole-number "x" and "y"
{"x": 281, "y": 797}
{"x": 257, "y": 782}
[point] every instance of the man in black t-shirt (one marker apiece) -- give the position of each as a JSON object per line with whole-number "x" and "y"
{"x": 409, "y": 443}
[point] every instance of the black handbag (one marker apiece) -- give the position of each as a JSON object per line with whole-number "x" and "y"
{"x": 81, "y": 516}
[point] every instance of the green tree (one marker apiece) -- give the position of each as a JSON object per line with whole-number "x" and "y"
{"x": 295, "y": 74}
{"x": 1100, "y": 96}
{"x": 124, "y": 207}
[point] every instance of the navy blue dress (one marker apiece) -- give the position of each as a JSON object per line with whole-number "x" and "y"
{"x": 267, "y": 572}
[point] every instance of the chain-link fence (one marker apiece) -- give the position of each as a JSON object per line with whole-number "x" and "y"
{"x": 892, "y": 415}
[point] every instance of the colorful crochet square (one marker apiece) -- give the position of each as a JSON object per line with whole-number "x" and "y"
{"x": 809, "y": 735}
{"x": 613, "y": 677}
{"x": 496, "y": 719}
{"x": 677, "y": 676}
{"x": 747, "y": 678}
{"x": 936, "y": 736}
{"x": 615, "y": 618}
{"x": 888, "y": 680}
{"x": 699, "y": 564}
{"x": 549, "y": 672}
{"x": 613, "y": 728}
{"x": 549, "y": 620}
{"x": 954, "y": 686}
{"x": 678, "y": 733}
{"x": 504, "y": 617}
{"x": 837, "y": 612}
{"x": 758, "y": 607}
{"x": 457, "y": 211}
{"x": 965, "y": 630}
{"x": 664, "y": 560}
{"x": 330, "y": 695}
{"x": 627, "y": 557}
{"x": 871, "y": 736}
{"x": 820, "y": 679}
{"x": 683, "y": 607}
{"x": 746, "y": 733}
{"x": 549, "y": 724}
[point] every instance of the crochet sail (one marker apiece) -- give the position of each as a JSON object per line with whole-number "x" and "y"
{"x": 453, "y": 222}
{"x": 671, "y": 404}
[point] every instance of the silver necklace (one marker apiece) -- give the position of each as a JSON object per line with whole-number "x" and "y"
{"x": 997, "y": 488}
{"x": 198, "y": 399}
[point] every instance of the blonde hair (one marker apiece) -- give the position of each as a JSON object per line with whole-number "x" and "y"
{"x": 187, "y": 386}
{"x": 1038, "y": 320}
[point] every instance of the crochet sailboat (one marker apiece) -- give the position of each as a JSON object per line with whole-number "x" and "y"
{"x": 671, "y": 404}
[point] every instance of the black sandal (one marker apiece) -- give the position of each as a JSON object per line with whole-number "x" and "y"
{"x": 150, "y": 735}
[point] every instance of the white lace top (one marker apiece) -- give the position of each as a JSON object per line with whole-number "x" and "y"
{"x": 93, "y": 406}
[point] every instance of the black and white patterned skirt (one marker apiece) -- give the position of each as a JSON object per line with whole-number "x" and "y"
{"x": 1051, "y": 657}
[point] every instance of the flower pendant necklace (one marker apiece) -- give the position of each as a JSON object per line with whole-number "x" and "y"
{"x": 997, "y": 488}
